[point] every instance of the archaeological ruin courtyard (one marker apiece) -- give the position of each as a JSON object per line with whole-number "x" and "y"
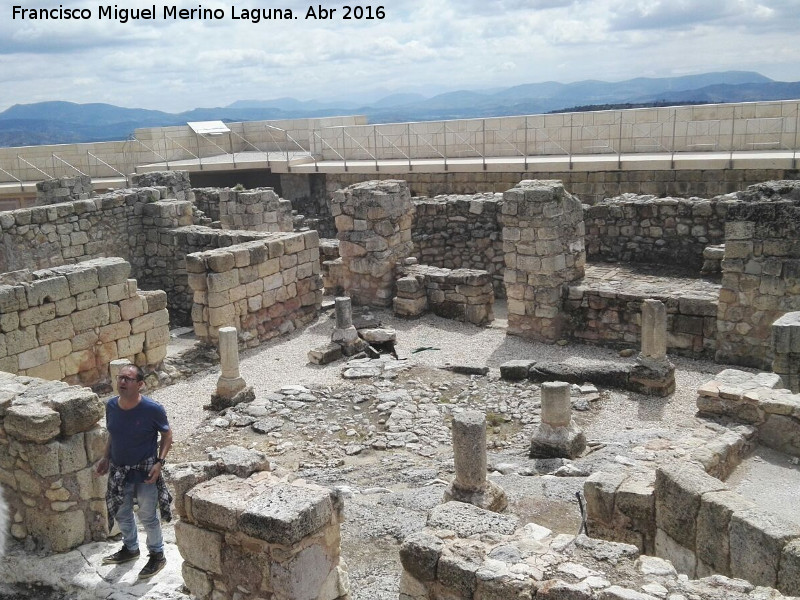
{"x": 460, "y": 385}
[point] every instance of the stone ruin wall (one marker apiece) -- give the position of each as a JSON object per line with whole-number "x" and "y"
{"x": 671, "y": 231}
{"x": 50, "y": 440}
{"x": 69, "y": 232}
{"x": 68, "y": 323}
{"x": 543, "y": 240}
{"x": 589, "y": 186}
{"x": 374, "y": 223}
{"x": 263, "y": 288}
{"x": 258, "y": 209}
{"x": 683, "y": 511}
{"x": 242, "y": 528}
{"x": 460, "y": 232}
{"x": 611, "y": 317}
{"x": 760, "y": 277}
{"x": 63, "y": 189}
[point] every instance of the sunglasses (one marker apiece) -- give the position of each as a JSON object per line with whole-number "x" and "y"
{"x": 126, "y": 378}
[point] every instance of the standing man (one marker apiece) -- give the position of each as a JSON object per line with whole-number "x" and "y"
{"x": 133, "y": 460}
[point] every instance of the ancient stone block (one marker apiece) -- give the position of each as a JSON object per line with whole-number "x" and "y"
{"x": 419, "y": 555}
{"x": 678, "y": 490}
{"x": 58, "y": 532}
{"x": 466, "y": 520}
{"x": 284, "y": 514}
{"x": 757, "y": 540}
{"x": 32, "y": 423}
{"x": 78, "y": 408}
{"x": 200, "y": 547}
{"x": 713, "y": 519}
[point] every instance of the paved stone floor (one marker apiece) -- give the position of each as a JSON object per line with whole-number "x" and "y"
{"x": 647, "y": 280}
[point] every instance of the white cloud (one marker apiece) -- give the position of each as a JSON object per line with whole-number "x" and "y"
{"x": 420, "y": 45}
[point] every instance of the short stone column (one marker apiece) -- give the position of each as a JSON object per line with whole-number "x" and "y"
{"x": 345, "y": 334}
{"x": 373, "y": 221}
{"x": 557, "y": 435}
{"x": 469, "y": 454}
{"x": 786, "y": 350}
{"x": 654, "y": 330}
{"x": 262, "y": 537}
{"x": 653, "y": 373}
{"x": 231, "y": 388}
{"x": 543, "y": 242}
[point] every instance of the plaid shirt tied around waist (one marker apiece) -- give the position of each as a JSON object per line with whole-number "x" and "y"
{"x": 115, "y": 490}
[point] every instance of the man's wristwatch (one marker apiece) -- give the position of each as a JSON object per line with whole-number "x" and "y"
{"x": 161, "y": 461}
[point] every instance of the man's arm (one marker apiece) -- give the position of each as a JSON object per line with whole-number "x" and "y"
{"x": 163, "y": 448}
{"x": 101, "y": 468}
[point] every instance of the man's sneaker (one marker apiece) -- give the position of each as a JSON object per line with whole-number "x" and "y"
{"x": 155, "y": 563}
{"x": 123, "y": 556}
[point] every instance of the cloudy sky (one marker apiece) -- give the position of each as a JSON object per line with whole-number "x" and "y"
{"x": 427, "y": 46}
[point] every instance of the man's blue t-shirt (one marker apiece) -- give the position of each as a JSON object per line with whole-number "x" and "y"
{"x": 134, "y": 433}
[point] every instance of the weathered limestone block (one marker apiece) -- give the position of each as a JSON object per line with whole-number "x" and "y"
{"x": 420, "y": 555}
{"x": 59, "y": 532}
{"x": 713, "y": 520}
{"x": 678, "y": 489}
{"x": 466, "y": 519}
{"x": 789, "y": 574}
{"x": 273, "y": 538}
{"x": 786, "y": 349}
{"x": 79, "y": 409}
{"x": 757, "y": 540}
{"x": 516, "y": 370}
{"x": 32, "y": 422}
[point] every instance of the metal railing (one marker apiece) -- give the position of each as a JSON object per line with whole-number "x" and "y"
{"x": 733, "y": 128}
{"x": 658, "y": 131}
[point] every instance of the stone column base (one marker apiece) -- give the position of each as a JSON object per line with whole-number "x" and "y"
{"x": 221, "y": 401}
{"x": 654, "y": 378}
{"x": 492, "y": 497}
{"x": 557, "y": 442}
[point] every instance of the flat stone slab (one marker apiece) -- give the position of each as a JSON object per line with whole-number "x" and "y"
{"x": 466, "y": 520}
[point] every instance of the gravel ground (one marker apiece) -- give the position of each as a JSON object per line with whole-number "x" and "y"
{"x": 284, "y": 362}
{"x": 336, "y": 432}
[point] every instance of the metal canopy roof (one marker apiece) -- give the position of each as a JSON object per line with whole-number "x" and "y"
{"x": 208, "y": 127}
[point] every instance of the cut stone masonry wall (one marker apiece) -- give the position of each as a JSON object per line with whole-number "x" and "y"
{"x": 245, "y": 533}
{"x": 263, "y": 288}
{"x": 254, "y": 210}
{"x": 461, "y": 232}
{"x": 177, "y": 182}
{"x": 374, "y": 224}
{"x": 671, "y": 231}
{"x": 63, "y": 189}
{"x": 589, "y": 186}
{"x": 49, "y": 442}
{"x": 760, "y": 279}
{"x": 466, "y": 552}
{"x": 612, "y": 317}
{"x": 543, "y": 243}
{"x": 68, "y": 323}
{"x": 684, "y": 512}
{"x": 461, "y": 294}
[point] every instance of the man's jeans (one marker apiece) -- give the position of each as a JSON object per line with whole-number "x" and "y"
{"x": 146, "y": 495}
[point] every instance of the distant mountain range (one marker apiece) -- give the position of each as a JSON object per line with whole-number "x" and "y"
{"x": 66, "y": 122}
